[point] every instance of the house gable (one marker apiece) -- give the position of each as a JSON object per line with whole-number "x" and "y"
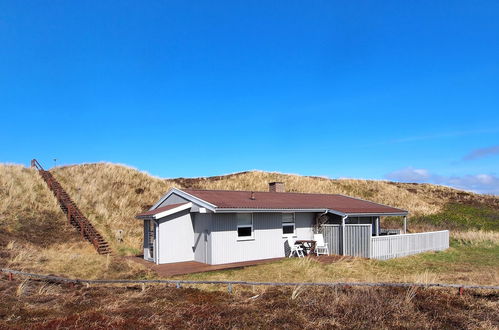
{"x": 171, "y": 199}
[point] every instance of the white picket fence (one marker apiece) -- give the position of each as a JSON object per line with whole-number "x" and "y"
{"x": 393, "y": 246}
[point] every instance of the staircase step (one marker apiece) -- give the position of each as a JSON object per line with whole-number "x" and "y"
{"x": 69, "y": 207}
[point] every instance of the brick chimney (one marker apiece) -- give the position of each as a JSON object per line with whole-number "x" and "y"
{"x": 276, "y": 187}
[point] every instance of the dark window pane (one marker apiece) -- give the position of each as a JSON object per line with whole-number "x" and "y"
{"x": 244, "y": 231}
{"x": 288, "y": 229}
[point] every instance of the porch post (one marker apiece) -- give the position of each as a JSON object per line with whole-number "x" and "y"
{"x": 377, "y": 226}
{"x": 156, "y": 242}
{"x": 405, "y": 224}
{"x": 343, "y": 234}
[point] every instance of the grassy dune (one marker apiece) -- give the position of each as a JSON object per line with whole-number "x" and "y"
{"x": 33, "y": 234}
{"x": 111, "y": 195}
{"x": 34, "y": 237}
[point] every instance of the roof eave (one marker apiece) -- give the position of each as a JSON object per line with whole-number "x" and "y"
{"x": 322, "y": 210}
{"x": 144, "y": 217}
{"x": 266, "y": 210}
{"x": 373, "y": 214}
{"x": 165, "y": 213}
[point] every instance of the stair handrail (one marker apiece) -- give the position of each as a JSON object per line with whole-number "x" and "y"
{"x": 36, "y": 164}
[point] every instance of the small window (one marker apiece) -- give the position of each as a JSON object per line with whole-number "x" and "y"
{"x": 244, "y": 225}
{"x": 288, "y": 224}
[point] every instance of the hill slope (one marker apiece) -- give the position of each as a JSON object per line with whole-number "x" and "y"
{"x": 35, "y": 236}
{"x": 111, "y": 195}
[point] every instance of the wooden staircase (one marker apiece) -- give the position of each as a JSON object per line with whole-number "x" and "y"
{"x": 73, "y": 213}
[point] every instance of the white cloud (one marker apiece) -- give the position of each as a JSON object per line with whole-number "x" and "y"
{"x": 483, "y": 152}
{"x": 481, "y": 183}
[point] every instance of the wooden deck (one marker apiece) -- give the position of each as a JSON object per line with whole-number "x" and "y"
{"x": 330, "y": 258}
{"x": 190, "y": 267}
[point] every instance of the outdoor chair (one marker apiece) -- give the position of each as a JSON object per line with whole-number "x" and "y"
{"x": 320, "y": 245}
{"x": 295, "y": 248}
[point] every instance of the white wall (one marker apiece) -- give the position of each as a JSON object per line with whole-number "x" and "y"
{"x": 176, "y": 238}
{"x": 304, "y": 223}
{"x": 181, "y": 237}
{"x": 268, "y": 241}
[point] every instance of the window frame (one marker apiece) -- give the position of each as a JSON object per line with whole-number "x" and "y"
{"x": 288, "y": 224}
{"x": 245, "y": 238}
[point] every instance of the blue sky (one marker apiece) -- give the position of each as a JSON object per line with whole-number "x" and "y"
{"x": 402, "y": 90}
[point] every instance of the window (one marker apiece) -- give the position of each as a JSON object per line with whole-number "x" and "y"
{"x": 288, "y": 224}
{"x": 244, "y": 225}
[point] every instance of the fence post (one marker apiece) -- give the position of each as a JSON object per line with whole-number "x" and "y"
{"x": 11, "y": 277}
{"x": 343, "y": 245}
{"x": 229, "y": 287}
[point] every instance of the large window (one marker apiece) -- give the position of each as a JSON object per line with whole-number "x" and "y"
{"x": 288, "y": 224}
{"x": 244, "y": 225}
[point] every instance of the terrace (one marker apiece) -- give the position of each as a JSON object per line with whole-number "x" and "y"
{"x": 368, "y": 240}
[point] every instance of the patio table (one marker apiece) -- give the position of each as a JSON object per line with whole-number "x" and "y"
{"x": 307, "y": 244}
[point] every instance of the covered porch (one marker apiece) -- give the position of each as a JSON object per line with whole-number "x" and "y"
{"x": 374, "y": 219}
{"x": 361, "y": 235}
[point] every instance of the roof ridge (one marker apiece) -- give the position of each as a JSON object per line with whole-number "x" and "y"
{"x": 262, "y": 191}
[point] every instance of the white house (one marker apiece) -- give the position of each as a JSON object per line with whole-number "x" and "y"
{"x": 220, "y": 226}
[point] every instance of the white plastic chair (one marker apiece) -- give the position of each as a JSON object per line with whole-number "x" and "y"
{"x": 295, "y": 248}
{"x": 320, "y": 245}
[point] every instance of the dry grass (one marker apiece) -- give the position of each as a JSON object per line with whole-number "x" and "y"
{"x": 111, "y": 195}
{"x": 27, "y": 207}
{"x": 75, "y": 260}
{"x": 132, "y": 307}
{"x": 466, "y": 263}
{"x": 476, "y": 236}
{"x": 34, "y": 237}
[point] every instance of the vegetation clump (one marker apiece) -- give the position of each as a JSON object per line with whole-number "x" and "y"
{"x": 26, "y": 304}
